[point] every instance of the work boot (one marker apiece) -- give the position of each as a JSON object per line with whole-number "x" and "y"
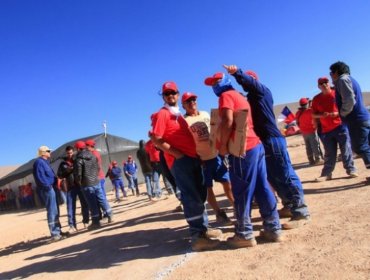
{"x": 221, "y": 217}
{"x": 324, "y": 178}
{"x": 110, "y": 219}
{"x": 240, "y": 242}
{"x": 285, "y": 212}
{"x": 296, "y": 222}
{"x": 202, "y": 243}
{"x": 272, "y": 236}
{"x": 352, "y": 174}
{"x": 213, "y": 233}
{"x": 94, "y": 226}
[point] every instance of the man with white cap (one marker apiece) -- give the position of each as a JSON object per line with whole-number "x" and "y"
{"x": 45, "y": 180}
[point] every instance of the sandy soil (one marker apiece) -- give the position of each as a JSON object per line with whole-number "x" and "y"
{"x": 148, "y": 240}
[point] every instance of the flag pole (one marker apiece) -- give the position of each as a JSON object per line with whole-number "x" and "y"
{"x": 106, "y": 140}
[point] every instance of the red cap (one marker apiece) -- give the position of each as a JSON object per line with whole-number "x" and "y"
{"x": 114, "y": 162}
{"x": 169, "y": 86}
{"x": 252, "y": 73}
{"x": 90, "y": 143}
{"x": 303, "y": 101}
{"x": 80, "y": 145}
{"x": 210, "y": 81}
{"x": 186, "y": 96}
{"x": 323, "y": 80}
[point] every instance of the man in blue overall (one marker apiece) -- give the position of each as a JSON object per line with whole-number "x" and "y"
{"x": 280, "y": 172}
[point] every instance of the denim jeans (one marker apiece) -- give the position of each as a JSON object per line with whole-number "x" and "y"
{"x": 157, "y": 191}
{"x": 189, "y": 179}
{"x": 96, "y": 199}
{"x": 118, "y": 185}
{"x": 132, "y": 182}
{"x": 102, "y": 185}
{"x": 282, "y": 177}
{"x": 249, "y": 179}
{"x": 72, "y": 195}
{"x": 360, "y": 138}
{"x": 148, "y": 183}
{"x": 52, "y": 210}
{"x": 331, "y": 140}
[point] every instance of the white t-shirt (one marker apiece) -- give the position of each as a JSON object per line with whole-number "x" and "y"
{"x": 199, "y": 127}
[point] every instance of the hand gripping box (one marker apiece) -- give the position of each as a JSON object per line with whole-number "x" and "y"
{"x": 237, "y": 140}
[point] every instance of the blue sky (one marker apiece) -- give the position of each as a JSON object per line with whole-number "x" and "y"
{"x": 66, "y": 66}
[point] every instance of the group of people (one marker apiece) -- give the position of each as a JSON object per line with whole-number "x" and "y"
{"x": 338, "y": 117}
{"x": 260, "y": 164}
{"x": 81, "y": 175}
{"x": 240, "y": 146}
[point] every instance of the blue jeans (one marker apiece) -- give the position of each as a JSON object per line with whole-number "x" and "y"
{"x": 52, "y": 210}
{"x": 118, "y": 184}
{"x": 102, "y": 185}
{"x": 249, "y": 179}
{"x": 157, "y": 191}
{"x": 96, "y": 199}
{"x": 282, "y": 177}
{"x": 360, "y": 138}
{"x": 331, "y": 140}
{"x": 132, "y": 182}
{"x": 72, "y": 195}
{"x": 148, "y": 183}
{"x": 189, "y": 179}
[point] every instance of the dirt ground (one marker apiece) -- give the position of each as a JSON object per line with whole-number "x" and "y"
{"x": 148, "y": 240}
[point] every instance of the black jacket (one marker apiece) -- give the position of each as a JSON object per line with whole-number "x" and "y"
{"x": 86, "y": 169}
{"x": 65, "y": 172}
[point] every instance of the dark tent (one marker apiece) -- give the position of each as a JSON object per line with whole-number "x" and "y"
{"x": 111, "y": 148}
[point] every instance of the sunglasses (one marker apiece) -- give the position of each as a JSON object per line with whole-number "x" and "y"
{"x": 323, "y": 83}
{"x": 168, "y": 93}
{"x": 47, "y": 151}
{"x": 191, "y": 100}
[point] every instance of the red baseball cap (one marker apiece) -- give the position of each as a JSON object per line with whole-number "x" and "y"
{"x": 90, "y": 143}
{"x": 80, "y": 145}
{"x": 252, "y": 73}
{"x": 169, "y": 86}
{"x": 186, "y": 96}
{"x": 210, "y": 81}
{"x": 322, "y": 80}
{"x": 303, "y": 101}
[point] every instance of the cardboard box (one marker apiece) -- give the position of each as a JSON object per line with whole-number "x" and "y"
{"x": 236, "y": 144}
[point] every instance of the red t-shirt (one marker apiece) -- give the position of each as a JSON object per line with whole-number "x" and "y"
{"x": 152, "y": 151}
{"x": 305, "y": 121}
{"x": 174, "y": 130}
{"x": 101, "y": 174}
{"x": 326, "y": 103}
{"x": 233, "y": 100}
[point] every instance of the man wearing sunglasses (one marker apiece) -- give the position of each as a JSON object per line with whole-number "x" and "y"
{"x": 214, "y": 167}
{"x": 171, "y": 134}
{"x": 333, "y": 132}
